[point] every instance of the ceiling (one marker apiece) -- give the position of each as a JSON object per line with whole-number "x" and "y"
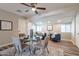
{"x": 53, "y": 12}
{"x": 53, "y": 19}
{"x": 14, "y": 7}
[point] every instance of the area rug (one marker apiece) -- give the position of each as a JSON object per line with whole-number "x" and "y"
{"x": 52, "y": 52}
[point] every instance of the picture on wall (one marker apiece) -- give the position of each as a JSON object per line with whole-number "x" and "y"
{"x": 6, "y": 25}
{"x": 49, "y": 28}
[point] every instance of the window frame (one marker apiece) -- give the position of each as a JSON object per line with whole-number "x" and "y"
{"x": 65, "y": 26}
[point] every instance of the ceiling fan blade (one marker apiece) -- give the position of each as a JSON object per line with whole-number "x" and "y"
{"x": 41, "y": 8}
{"x": 25, "y": 4}
{"x": 36, "y": 12}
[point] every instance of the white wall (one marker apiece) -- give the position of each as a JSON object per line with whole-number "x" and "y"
{"x": 44, "y": 28}
{"x": 22, "y": 25}
{"x": 57, "y": 28}
{"x": 73, "y": 30}
{"x": 77, "y": 30}
{"x": 5, "y": 36}
{"x": 64, "y": 35}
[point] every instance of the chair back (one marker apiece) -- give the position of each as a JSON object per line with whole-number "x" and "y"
{"x": 46, "y": 41}
{"x": 58, "y": 36}
{"x": 17, "y": 44}
{"x": 43, "y": 36}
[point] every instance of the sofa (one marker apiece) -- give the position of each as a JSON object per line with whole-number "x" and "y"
{"x": 55, "y": 37}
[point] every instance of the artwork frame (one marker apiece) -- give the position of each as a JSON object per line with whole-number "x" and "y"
{"x": 50, "y": 28}
{"x": 6, "y": 25}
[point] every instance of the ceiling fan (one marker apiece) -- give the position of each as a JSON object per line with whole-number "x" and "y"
{"x": 33, "y": 6}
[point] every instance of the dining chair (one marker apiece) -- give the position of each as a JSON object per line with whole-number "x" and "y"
{"x": 20, "y": 48}
{"x": 45, "y": 45}
{"x": 17, "y": 44}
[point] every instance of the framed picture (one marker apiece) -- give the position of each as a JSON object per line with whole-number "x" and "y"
{"x": 49, "y": 28}
{"x": 6, "y": 25}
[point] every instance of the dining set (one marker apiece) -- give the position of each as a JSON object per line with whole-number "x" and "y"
{"x": 34, "y": 46}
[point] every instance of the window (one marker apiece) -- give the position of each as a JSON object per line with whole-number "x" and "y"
{"x": 29, "y": 25}
{"x": 68, "y": 27}
{"x": 65, "y": 27}
{"x": 34, "y": 28}
{"x": 39, "y": 28}
{"x": 49, "y": 28}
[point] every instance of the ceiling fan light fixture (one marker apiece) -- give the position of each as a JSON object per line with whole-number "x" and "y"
{"x": 49, "y": 22}
{"x": 59, "y": 21}
{"x": 33, "y": 9}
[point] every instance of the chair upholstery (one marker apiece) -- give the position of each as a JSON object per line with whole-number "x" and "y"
{"x": 43, "y": 36}
{"x": 17, "y": 44}
{"x": 57, "y": 38}
{"x": 46, "y": 43}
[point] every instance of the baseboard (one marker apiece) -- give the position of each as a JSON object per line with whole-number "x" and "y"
{"x": 66, "y": 40}
{"x": 5, "y": 44}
